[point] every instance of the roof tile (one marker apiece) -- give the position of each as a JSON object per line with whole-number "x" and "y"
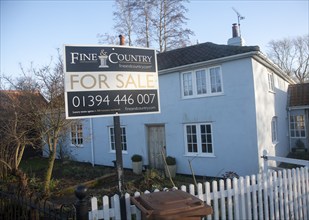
{"x": 299, "y": 95}
{"x": 199, "y": 53}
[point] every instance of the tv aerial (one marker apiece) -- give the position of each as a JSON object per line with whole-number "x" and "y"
{"x": 239, "y": 17}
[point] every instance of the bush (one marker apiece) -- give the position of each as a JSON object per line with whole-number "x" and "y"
{"x": 299, "y": 144}
{"x": 136, "y": 158}
{"x": 170, "y": 160}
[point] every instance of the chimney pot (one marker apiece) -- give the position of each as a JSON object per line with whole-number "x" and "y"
{"x": 122, "y": 40}
{"x": 235, "y": 30}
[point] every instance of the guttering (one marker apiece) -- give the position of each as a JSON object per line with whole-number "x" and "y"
{"x": 257, "y": 55}
{"x": 208, "y": 62}
{"x": 260, "y": 57}
{"x": 300, "y": 107}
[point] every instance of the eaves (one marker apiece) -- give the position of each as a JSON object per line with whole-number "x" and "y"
{"x": 260, "y": 57}
{"x": 207, "y": 63}
{"x": 301, "y": 107}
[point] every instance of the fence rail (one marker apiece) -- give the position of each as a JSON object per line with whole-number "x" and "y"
{"x": 270, "y": 195}
{"x": 16, "y": 206}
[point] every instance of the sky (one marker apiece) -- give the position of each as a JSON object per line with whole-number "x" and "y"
{"x": 31, "y": 31}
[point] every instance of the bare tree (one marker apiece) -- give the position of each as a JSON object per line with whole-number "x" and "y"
{"x": 151, "y": 22}
{"x": 52, "y": 123}
{"x": 125, "y": 18}
{"x": 48, "y": 120}
{"x": 17, "y": 130}
{"x": 292, "y": 55}
{"x": 144, "y": 28}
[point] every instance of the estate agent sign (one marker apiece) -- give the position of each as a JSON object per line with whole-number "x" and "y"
{"x": 109, "y": 80}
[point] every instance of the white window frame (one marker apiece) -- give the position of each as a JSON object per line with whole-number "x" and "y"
{"x": 199, "y": 151}
{"x": 274, "y": 130}
{"x": 124, "y": 144}
{"x": 297, "y": 126}
{"x": 76, "y": 134}
{"x": 271, "y": 82}
{"x": 194, "y": 83}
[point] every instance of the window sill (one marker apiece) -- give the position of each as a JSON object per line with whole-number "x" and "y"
{"x": 202, "y": 96}
{"x": 113, "y": 152}
{"x": 199, "y": 155}
{"x": 77, "y": 146}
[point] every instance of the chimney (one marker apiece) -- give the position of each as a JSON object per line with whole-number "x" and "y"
{"x": 236, "y": 39}
{"x": 121, "y": 40}
{"x": 235, "y": 30}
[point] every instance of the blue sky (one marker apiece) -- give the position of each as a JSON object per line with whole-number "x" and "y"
{"x": 31, "y": 31}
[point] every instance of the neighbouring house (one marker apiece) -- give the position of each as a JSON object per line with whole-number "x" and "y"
{"x": 221, "y": 106}
{"x": 298, "y": 108}
{"x": 14, "y": 115}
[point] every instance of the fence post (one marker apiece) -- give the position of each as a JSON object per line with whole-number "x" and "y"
{"x": 265, "y": 166}
{"x": 81, "y": 204}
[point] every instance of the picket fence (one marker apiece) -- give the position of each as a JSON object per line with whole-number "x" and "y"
{"x": 270, "y": 195}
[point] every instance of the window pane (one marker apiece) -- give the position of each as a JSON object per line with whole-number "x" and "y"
{"x": 191, "y": 138}
{"x": 201, "y": 82}
{"x": 187, "y": 84}
{"x": 215, "y": 80}
{"x": 123, "y": 138}
{"x": 206, "y": 138}
{"x": 76, "y": 134}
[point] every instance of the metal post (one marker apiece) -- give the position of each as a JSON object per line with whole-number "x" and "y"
{"x": 119, "y": 162}
{"x": 81, "y": 204}
{"x": 118, "y": 147}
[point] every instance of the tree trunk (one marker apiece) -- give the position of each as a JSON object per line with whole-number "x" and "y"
{"x": 48, "y": 175}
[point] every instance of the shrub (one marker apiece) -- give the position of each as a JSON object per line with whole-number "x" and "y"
{"x": 136, "y": 158}
{"x": 170, "y": 160}
{"x": 299, "y": 144}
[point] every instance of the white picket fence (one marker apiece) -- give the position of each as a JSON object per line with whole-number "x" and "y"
{"x": 272, "y": 195}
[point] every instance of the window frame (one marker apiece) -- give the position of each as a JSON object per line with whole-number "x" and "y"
{"x": 78, "y": 134}
{"x": 124, "y": 144}
{"x": 274, "y": 130}
{"x": 271, "y": 82}
{"x": 195, "y": 84}
{"x": 295, "y": 126}
{"x": 199, "y": 143}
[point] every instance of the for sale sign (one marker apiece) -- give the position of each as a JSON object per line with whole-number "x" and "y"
{"x": 109, "y": 80}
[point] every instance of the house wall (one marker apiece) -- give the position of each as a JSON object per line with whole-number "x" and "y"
{"x": 232, "y": 116}
{"x": 270, "y": 104}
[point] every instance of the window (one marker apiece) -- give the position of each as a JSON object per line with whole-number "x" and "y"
{"x": 274, "y": 130}
{"x": 202, "y": 82}
{"x": 215, "y": 79}
{"x": 77, "y": 134}
{"x": 271, "y": 87}
{"x": 123, "y": 139}
{"x": 198, "y": 139}
{"x": 297, "y": 126}
{"x": 187, "y": 84}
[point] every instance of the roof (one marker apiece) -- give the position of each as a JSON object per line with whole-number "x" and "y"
{"x": 199, "y": 53}
{"x": 298, "y": 95}
{"x": 9, "y": 97}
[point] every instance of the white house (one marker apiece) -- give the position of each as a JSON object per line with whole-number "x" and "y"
{"x": 221, "y": 105}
